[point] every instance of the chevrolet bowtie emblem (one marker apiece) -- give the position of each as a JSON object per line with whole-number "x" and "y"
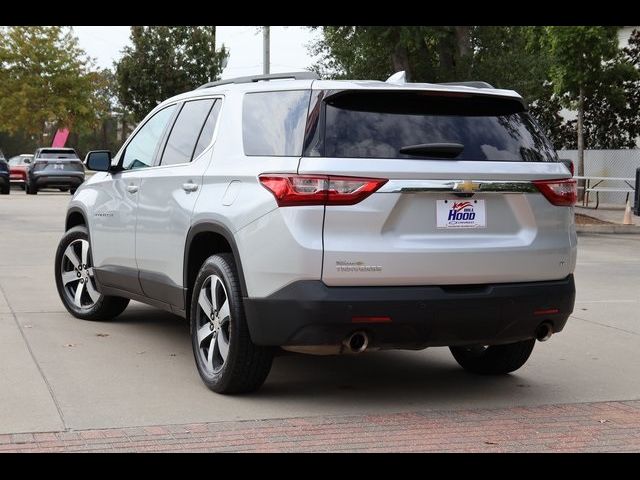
{"x": 467, "y": 186}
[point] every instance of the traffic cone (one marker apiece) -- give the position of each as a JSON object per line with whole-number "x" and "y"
{"x": 627, "y": 214}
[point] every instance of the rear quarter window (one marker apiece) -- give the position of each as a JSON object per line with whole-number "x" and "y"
{"x": 273, "y": 123}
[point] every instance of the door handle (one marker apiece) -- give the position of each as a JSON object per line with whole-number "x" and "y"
{"x": 189, "y": 187}
{"x": 132, "y": 188}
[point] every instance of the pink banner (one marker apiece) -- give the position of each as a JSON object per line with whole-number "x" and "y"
{"x": 60, "y": 137}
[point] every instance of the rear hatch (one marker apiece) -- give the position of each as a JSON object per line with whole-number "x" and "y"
{"x": 470, "y": 181}
{"x": 58, "y": 163}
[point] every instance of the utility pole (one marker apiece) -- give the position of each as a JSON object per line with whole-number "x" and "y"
{"x": 265, "y": 50}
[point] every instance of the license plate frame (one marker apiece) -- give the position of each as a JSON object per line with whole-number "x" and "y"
{"x": 459, "y": 213}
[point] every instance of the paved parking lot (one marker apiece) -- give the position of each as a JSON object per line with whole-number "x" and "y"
{"x": 60, "y": 374}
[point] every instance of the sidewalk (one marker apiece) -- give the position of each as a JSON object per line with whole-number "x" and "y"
{"x": 586, "y": 427}
{"x": 607, "y": 218}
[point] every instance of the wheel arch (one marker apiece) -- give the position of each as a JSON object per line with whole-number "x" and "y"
{"x": 75, "y": 217}
{"x": 204, "y": 239}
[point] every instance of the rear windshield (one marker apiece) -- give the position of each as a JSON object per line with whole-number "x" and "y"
{"x": 378, "y": 124}
{"x": 57, "y": 154}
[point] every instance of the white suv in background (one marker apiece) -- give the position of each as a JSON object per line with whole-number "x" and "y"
{"x": 330, "y": 217}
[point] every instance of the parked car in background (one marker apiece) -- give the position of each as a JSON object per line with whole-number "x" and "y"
{"x": 19, "y": 169}
{"x": 5, "y": 182}
{"x": 59, "y": 168}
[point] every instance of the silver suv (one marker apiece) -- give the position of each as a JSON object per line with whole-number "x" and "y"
{"x": 330, "y": 217}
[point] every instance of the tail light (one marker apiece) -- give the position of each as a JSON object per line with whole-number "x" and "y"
{"x": 559, "y": 192}
{"x": 295, "y": 190}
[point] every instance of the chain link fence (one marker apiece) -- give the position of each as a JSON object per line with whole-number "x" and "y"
{"x": 607, "y": 163}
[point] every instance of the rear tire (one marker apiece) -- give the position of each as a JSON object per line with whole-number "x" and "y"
{"x": 5, "y": 190}
{"x": 226, "y": 358}
{"x": 31, "y": 189}
{"x": 89, "y": 304}
{"x": 493, "y": 359}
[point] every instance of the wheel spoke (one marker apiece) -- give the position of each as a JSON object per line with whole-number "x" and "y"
{"x": 204, "y": 332}
{"x": 212, "y": 347}
{"x": 223, "y": 344}
{"x": 204, "y": 302}
{"x": 93, "y": 293}
{"x": 213, "y": 288}
{"x": 85, "y": 251}
{"x": 223, "y": 313}
{"x": 71, "y": 255}
{"x": 68, "y": 277}
{"x": 78, "y": 295}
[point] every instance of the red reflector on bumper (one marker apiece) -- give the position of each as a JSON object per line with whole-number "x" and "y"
{"x": 370, "y": 319}
{"x": 548, "y": 311}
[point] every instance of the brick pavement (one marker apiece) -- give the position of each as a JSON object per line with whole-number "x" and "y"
{"x": 582, "y": 427}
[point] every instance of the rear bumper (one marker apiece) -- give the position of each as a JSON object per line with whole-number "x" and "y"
{"x": 18, "y": 178}
{"x": 45, "y": 180}
{"x": 309, "y": 313}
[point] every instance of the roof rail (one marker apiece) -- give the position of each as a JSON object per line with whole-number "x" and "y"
{"x": 475, "y": 84}
{"x": 259, "y": 78}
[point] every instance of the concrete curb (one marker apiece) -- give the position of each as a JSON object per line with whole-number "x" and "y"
{"x": 608, "y": 229}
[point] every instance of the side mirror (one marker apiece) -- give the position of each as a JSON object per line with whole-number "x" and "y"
{"x": 27, "y": 160}
{"x": 98, "y": 160}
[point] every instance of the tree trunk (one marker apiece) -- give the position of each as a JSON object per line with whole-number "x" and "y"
{"x": 400, "y": 55}
{"x": 400, "y": 61}
{"x": 581, "y": 192}
{"x": 105, "y": 136}
{"x": 463, "y": 51}
{"x": 463, "y": 40}
{"x": 446, "y": 54}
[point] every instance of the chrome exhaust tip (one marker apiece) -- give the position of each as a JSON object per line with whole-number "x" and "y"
{"x": 357, "y": 342}
{"x": 544, "y": 331}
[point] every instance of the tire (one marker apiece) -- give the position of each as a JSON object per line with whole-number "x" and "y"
{"x": 72, "y": 191}
{"x": 92, "y": 304}
{"x": 63, "y": 189}
{"x": 31, "y": 189}
{"x": 495, "y": 359}
{"x": 5, "y": 190}
{"x": 246, "y": 366}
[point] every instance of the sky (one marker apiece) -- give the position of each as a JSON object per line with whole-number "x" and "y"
{"x": 289, "y": 50}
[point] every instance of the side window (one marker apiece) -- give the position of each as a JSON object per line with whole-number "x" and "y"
{"x": 141, "y": 148}
{"x": 273, "y": 122}
{"x": 185, "y": 132}
{"x": 207, "y": 129}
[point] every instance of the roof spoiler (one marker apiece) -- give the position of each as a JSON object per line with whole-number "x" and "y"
{"x": 400, "y": 78}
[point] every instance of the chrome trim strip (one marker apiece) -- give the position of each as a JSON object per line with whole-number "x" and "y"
{"x": 458, "y": 186}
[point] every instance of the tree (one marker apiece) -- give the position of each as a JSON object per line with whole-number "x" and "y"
{"x": 583, "y": 56}
{"x": 165, "y": 61}
{"x": 46, "y": 82}
{"x": 425, "y": 53}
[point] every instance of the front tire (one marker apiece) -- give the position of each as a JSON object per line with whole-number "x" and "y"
{"x": 75, "y": 280}
{"x": 494, "y": 359}
{"x": 226, "y": 358}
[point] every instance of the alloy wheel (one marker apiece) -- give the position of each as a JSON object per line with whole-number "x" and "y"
{"x": 213, "y": 324}
{"x": 77, "y": 275}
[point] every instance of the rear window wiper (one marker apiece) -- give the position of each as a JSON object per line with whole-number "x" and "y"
{"x": 441, "y": 150}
